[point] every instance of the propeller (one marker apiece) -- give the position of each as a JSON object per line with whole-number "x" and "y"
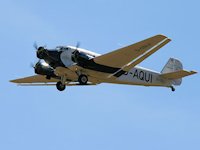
{"x": 35, "y": 46}
{"x": 33, "y": 65}
{"x": 40, "y": 47}
{"x": 77, "y": 45}
{"x": 40, "y": 51}
{"x": 75, "y": 53}
{"x": 36, "y": 62}
{"x": 40, "y": 66}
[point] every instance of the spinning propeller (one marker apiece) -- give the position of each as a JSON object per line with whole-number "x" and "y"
{"x": 76, "y": 53}
{"x": 40, "y": 51}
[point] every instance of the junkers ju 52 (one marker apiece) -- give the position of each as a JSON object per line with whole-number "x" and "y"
{"x": 73, "y": 66}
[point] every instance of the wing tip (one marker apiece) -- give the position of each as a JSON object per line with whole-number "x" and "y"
{"x": 163, "y": 36}
{"x": 13, "y": 81}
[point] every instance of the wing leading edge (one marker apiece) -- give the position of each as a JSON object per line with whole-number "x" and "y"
{"x": 34, "y": 79}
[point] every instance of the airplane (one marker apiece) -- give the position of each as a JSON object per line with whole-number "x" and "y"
{"x": 73, "y": 66}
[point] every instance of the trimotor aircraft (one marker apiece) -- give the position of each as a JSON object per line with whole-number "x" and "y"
{"x": 73, "y": 66}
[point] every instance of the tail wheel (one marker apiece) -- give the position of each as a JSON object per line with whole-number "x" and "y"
{"x": 83, "y": 79}
{"x": 60, "y": 86}
{"x": 172, "y": 88}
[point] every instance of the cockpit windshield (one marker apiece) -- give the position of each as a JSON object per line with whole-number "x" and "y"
{"x": 61, "y": 48}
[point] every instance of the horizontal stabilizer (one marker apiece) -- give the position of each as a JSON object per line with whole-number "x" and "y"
{"x": 178, "y": 74}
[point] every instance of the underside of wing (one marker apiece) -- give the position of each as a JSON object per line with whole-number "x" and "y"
{"x": 133, "y": 54}
{"x": 34, "y": 79}
{"x": 72, "y": 73}
{"x": 39, "y": 80}
{"x": 54, "y": 84}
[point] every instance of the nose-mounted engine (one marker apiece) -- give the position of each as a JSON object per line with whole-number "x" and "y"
{"x": 41, "y": 52}
{"x": 51, "y": 57}
{"x": 58, "y": 58}
{"x": 48, "y": 61}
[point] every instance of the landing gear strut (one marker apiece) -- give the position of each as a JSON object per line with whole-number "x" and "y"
{"x": 172, "y": 88}
{"x": 60, "y": 86}
{"x": 83, "y": 79}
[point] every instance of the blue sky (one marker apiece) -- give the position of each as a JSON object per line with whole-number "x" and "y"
{"x": 106, "y": 116}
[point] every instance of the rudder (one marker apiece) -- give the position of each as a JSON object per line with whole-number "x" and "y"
{"x": 173, "y": 65}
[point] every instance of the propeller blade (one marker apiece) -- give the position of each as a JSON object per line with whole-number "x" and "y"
{"x": 35, "y": 45}
{"x": 32, "y": 65}
{"x": 77, "y": 45}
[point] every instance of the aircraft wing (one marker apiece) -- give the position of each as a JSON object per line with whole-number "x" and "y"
{"x": 40, "y": 80}
{"x": 59, "y": 71}
{"x": 128, "y": 57}
{"x": 34, "y": 79}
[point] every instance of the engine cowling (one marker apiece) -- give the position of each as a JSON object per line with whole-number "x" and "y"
{"x": 41, "y": 52}
{"x": 79, "y": 57}
{"x": 43, "y": 69}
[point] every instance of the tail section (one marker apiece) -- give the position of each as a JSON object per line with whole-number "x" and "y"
{"x": 172, "y": 65}
{"x": 173, "y": 70}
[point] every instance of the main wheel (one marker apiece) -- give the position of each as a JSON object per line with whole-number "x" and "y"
{"x": 83, "y": 79}
{"x": 60, "y": 86}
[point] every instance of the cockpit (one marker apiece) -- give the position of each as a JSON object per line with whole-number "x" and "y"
{"x": 62, "y": 48}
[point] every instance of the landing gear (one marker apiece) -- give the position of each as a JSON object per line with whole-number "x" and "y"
{"x": 172, "y": 88}
{"x": 83, "y": 79}
{"x": 60, "y": 86}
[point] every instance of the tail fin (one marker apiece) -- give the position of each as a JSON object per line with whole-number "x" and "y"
{"x": 173, "y": 70}
{"x": 172, "y": 65}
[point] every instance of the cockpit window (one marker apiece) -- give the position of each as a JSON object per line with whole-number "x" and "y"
{"x": 58, "y": 48}
{"x": 61, "y": 48}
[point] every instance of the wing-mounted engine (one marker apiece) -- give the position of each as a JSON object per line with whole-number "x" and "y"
{"x": 80, "y": 57}
{"x": 43, "y": 68}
